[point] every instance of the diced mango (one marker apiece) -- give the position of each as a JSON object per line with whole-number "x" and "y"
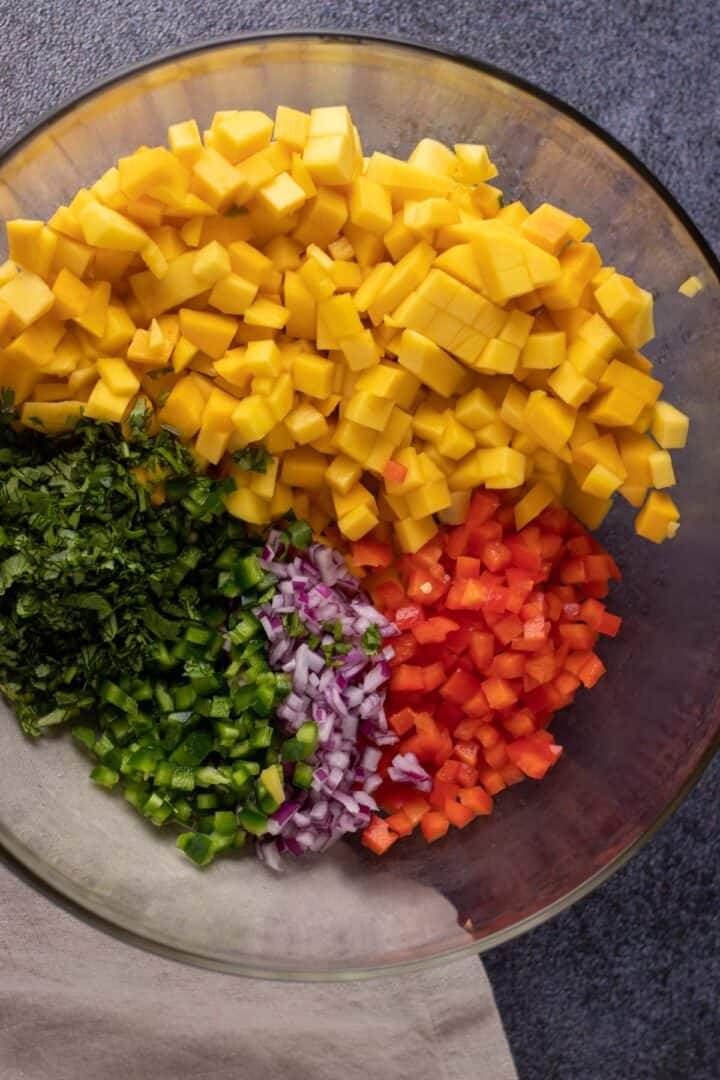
{"x": 658, "y": 519}
{"x": 669, "y": 426}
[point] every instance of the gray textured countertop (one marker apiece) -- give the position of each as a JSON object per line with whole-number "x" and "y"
{"x": 624, "y": 985}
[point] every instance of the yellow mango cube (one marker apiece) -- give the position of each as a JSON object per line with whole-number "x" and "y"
{"x": 27, "y": 296}
{"x": 253, "y": 418}
{"x": 322, "y": 218}
{"x": 571, "y": 387}
{"x": 248, "y": 506}
{"x": 342, "y": 474}
{"x": 238, "y": 134}
{"x": 313, "y": 375}
{"x": 473, "y": 163}
{"x": 428, "y": 499}
{"x": 185, "y": 142}
{"x": 118, "y": 377}
{"x": 661, "y": 469}
{"x": 550, "y": 421}
{"x": 405, "y": 276}
{"x": 414, "y": 533}
{"x": 456, "y": 440}
{"x": 303, "y": 468}
{"x": 368, "y": 409}
{"x": 267, "y": 313}
{"x": 291, "y": 127}
{"x": 211, "y": 333}
{"x": 51, "y": 417}
{"x": 601, "y": 482}
{"x": 281, "y": 397}
{"x": 370, "y": 206}
{"x": 330, "y": 159}
{"x": 658, "y": 519}
{"x": 691, "y": 286}
{"x": 263, "y": 358}
{"x": 390, "y": 381}
{"x": 301, "y": 306}
{"x": 429, "y": 363}
{"x": 544, "y": 351}
{"x": 475, "y": 409}
{"x": 209, "y": 446}
{"x": 218, "y": 411}
{"x": 232, "y": 294}
{"x": 306, "y": 424}
{"x": 31, "y": 245}
{"x": 549, "y": 227}
{"x": 357, "y": 522}
{"x": 359, "y": 350}
{"x": 282, "y": 195}
{"x": 635, "y": 382}
{"x": 215, "y": 180}
{"x": 615, "y": 407}
{"x": 433, "y": 157}
{"x": 211, "y": 263}
{"x": 103, "y": 404}
{"x": 106, "y": 228}
{"x": 669, "y": 426}
{"x": 354, "y": 440}
{"x": 537, "y": 499}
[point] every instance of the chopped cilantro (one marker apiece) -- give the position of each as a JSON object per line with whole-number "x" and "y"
{"x": 253, "y": 458}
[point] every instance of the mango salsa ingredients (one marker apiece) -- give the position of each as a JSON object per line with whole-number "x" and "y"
{"x": 390, "y": 330}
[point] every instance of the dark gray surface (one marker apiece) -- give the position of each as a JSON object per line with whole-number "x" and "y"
{"x": 624, "y": 985}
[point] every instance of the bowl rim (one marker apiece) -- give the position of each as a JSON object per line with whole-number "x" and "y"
{"x": 11, "y": 857}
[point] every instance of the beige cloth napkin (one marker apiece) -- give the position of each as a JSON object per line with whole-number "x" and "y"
{"x": 76, "y": 1004}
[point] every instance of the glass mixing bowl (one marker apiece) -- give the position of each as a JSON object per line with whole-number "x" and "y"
{"x": 633, "y": 747}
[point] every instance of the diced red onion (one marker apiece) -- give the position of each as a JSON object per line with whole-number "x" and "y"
{"x": 344, "y": 701}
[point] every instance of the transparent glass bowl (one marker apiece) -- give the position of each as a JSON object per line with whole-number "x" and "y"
{"x": 633, "y": 747}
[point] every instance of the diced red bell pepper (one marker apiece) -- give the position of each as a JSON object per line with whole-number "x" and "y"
{"x": 458, "y": 814}
{"x": 499, "y": 693}
{"x": 467, "y": 752}
{"x": 404, "y": 648}
{"x": 402, "y": 721}
{"x": 491, "y": 780}
{"x": 467, "y": 775}
{"x": 496, "y": 556}
{"x": 433, "y": 630}
{"x": 367, "y": 552}
{"x": 592, "y": 671}
{"x": 511, "y": 774}
{"x": 448, "y": 772}
{"x": 433, "y": 677}
{"x": 434, "y": 825}
{"x": 580, "y": 545}
{"x": 407, "y": 616}
{"x": 467, "y": 567}
{"x": 477, "y": 799}
{"x": 519, "y": 723}
{"x": 467, "y": 727}
{"x": 497, "y": 755}
{"x": 508, "y": 628}
{"x": 483, "y": 506}
{"x": 573, "y": 572}
{"x": 508, "y": 665}
{"x": 442, "y": 790}
{"x": 400, "y": 823}
{"x": 577, "y": 635}
{"x": 407, "y": 678}
{"x": 533, "y": 755}
{"x": 388, "y": 596}
{"x": 378, "y": 836}
{"x": 426, "y": 587}
{"x": 482, "y": 648}
{"x": 477, "y": 705}
{"x": 460, "y": 687}
{"x": 488, "y": 735}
